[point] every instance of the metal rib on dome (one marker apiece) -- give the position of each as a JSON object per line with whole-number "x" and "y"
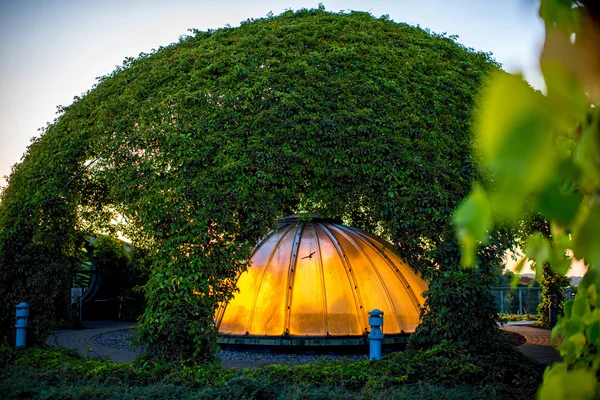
{"x": 319, "y": 279}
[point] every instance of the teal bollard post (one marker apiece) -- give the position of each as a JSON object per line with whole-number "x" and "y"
{"x": 376, "y": 334}
{"x": 21, "y": 325}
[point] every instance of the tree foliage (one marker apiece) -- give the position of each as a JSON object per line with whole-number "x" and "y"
{"x": 196, "y": 148}
{"x": 545, "y": 154}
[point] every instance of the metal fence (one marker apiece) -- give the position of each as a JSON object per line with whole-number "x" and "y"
{"x": 518, "y": 300}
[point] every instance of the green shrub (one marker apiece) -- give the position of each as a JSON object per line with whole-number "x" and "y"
{"x": 459, "y": 309}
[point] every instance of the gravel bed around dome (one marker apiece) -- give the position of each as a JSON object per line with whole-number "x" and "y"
{"x": 122, "y": 340}
{"x": 285, "y": 358}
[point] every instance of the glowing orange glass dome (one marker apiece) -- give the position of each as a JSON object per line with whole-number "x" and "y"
{"x": 320, "y": 279}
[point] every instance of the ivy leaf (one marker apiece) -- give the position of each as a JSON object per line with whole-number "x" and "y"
{"x": 576, "y": 384}
{"x": 586, "y": 239}
{"x": 473, "y": 220}
{"x": 519, "y": 267}
{"x": 586, "y": 156}
{"x": 513, "y": 120}
{"x": 592, "y": 332}
{"x": 538, "y": 248}
{"x": 580, "y": 306}
{"x": 559, "y": 204}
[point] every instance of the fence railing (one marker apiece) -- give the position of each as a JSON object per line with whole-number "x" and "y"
{"x": 517, "y": 300}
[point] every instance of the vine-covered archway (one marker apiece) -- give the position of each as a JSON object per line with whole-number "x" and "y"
{"x": 194, "y": 150}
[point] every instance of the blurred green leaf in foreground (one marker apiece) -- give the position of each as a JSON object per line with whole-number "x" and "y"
{"x": 542, "y": 154}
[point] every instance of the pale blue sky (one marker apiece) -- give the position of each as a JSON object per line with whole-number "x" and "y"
{"x": 52, "y": 50}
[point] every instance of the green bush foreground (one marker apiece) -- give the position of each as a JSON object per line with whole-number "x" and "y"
{"x": 439, "y": 373}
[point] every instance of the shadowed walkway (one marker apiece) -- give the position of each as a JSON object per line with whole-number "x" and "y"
{"x": 538, "y": 345}
{"x": 80, "y": 340}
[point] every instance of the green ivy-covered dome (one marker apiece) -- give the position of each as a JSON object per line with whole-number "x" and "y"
{"x": 197, "y": 147}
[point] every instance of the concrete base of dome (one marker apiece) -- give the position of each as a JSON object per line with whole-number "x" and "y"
{"x": 309, "y": 344}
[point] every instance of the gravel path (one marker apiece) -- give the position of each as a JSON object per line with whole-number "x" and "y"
{"x": 122, "y": 339}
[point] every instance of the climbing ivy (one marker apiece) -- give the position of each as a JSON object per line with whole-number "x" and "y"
{"x": 552, "y": 284}
{"x": 193, "y": 150}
